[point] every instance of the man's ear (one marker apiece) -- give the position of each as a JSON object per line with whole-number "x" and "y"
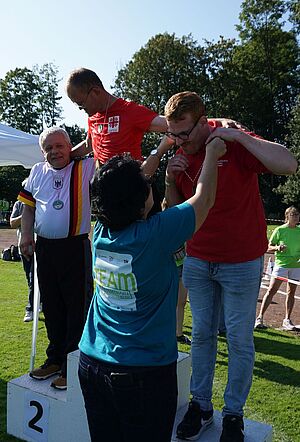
{"x": 98, "y": 91}
{"x": 203, "y": 119}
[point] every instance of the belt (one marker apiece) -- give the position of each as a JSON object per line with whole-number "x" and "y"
{"x": 62, "y": 240}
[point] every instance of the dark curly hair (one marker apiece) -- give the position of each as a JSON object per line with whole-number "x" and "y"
{"x": 119, "y": 192}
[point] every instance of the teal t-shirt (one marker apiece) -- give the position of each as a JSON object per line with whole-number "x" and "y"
{"x": 289, "y": 257}
{"x": 132, "y": 317}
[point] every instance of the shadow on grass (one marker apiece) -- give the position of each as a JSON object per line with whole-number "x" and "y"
{"x": 276, "y": 372}
{"x": 269, "y": 331}
{"x": 4, "y": 437}
{"x": 271, "y": 371}
{"x": 288, "y": 350}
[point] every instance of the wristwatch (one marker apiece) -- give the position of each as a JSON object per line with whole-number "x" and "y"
{"x": 155, "y": 153}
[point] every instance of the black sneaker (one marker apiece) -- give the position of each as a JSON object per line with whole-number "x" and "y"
{"x": 233, "y": 429}
{"x": 183, "y": 339}
{"x": 194, "y": 422}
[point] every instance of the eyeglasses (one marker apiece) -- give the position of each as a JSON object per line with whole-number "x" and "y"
{"x": 82, "y": 105}
{"x": 294, "y": 214}
{"x": 182, "y": 135}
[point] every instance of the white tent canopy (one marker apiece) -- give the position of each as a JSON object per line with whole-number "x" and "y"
{"x": 18, "y": 148}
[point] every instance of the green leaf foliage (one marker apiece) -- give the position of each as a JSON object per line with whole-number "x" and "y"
{"x": 291, "y": 189}
{"x": 29, "y": 98}
{"x": 164, "y": 66}
{"x": 254, "y": 80}
{"x": 11, "y": 178}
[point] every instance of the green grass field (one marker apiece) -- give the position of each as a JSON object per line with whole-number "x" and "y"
{"x": 274, "y": 397}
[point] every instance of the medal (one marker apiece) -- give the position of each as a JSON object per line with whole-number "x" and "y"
{"x": 58, "y": 204}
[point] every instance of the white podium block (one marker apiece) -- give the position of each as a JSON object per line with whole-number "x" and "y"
{"x": 36, "y": 412}
{"x": 254, "y": 431}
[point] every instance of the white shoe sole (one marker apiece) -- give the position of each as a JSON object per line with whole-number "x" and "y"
{"x": 205, "y": 425}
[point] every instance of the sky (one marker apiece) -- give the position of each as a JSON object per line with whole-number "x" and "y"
{"x": 102, "y": 36}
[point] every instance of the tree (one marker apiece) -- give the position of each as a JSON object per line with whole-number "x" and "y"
{"x": 19, "y": 91}
{"x": 163, "y": 67}
{"x": 29, "y": 98}
{"x": 14, "y": 175}
{"x": 291, "y": 189}
{"x": 76, "y": 133}
{"x": 48, "y": 99}
{"x": 267, "y": 61}
{"x": 294, "y": 17}
{"x": 267, "y": 72}
{"x": 220, "y": 94}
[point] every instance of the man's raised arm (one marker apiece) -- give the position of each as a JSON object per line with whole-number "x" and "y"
{"x": 274, "y": 156}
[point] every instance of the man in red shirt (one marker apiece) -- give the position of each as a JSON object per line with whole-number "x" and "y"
{"x": 114, "y": 125}
{"x": 224, "y": 258}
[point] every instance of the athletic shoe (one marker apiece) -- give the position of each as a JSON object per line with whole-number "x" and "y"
{"x": 288, "y": 325}
{"x": 233, "y": 429}
{"x": 194, "y": 422}
{"x": 59, "y": 383}
{"x": 259, "y": 323}
{"x": 45, "y": 371}
{"x": 28, "y": 316}
{"x": 183, "y": 339}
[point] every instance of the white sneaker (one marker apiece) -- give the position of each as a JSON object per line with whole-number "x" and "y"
{"x": 259, "y": 323}
{"x": 28, "y": 316}
{"x": 288, "y": 325}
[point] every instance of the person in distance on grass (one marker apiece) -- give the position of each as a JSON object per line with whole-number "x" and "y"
{"x": 57, "y": 207}
{"x": 224, "y": 258}
{"x": 285, "y": 242}
{"x": 127, "y": 366}
{"x": 15, "y": 223}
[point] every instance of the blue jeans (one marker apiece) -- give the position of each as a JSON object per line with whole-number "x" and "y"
{"x": 128, "y": 404}
{"x": 236, "y": 287}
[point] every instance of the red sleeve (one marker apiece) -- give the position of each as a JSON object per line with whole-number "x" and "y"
{"x": 142, "y": 116}
{"x": 248, "y": 160}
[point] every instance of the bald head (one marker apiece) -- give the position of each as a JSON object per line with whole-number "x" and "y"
{"x": 83, "y": 79}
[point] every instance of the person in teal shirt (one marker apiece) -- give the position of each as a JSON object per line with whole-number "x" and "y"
{"x": 285, "y": 242}
{"x": 128, "y": 350}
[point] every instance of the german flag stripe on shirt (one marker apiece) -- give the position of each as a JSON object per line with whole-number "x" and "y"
{"x": 76, "y": 199}
{"x": 26, "y": 198}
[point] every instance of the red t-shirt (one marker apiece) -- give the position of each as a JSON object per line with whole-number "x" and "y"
{"x": 120, "y": 129}
{"x": 235, "y": 229}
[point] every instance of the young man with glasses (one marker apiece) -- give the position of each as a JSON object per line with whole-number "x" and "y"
{"x": 224, "y": 259}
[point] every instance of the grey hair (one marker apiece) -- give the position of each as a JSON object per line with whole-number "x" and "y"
{"x": 50, "y": 131}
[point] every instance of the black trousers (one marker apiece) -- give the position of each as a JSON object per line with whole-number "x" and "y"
{"x": 64, "y": 269}
{"x": 128, "y": 404}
